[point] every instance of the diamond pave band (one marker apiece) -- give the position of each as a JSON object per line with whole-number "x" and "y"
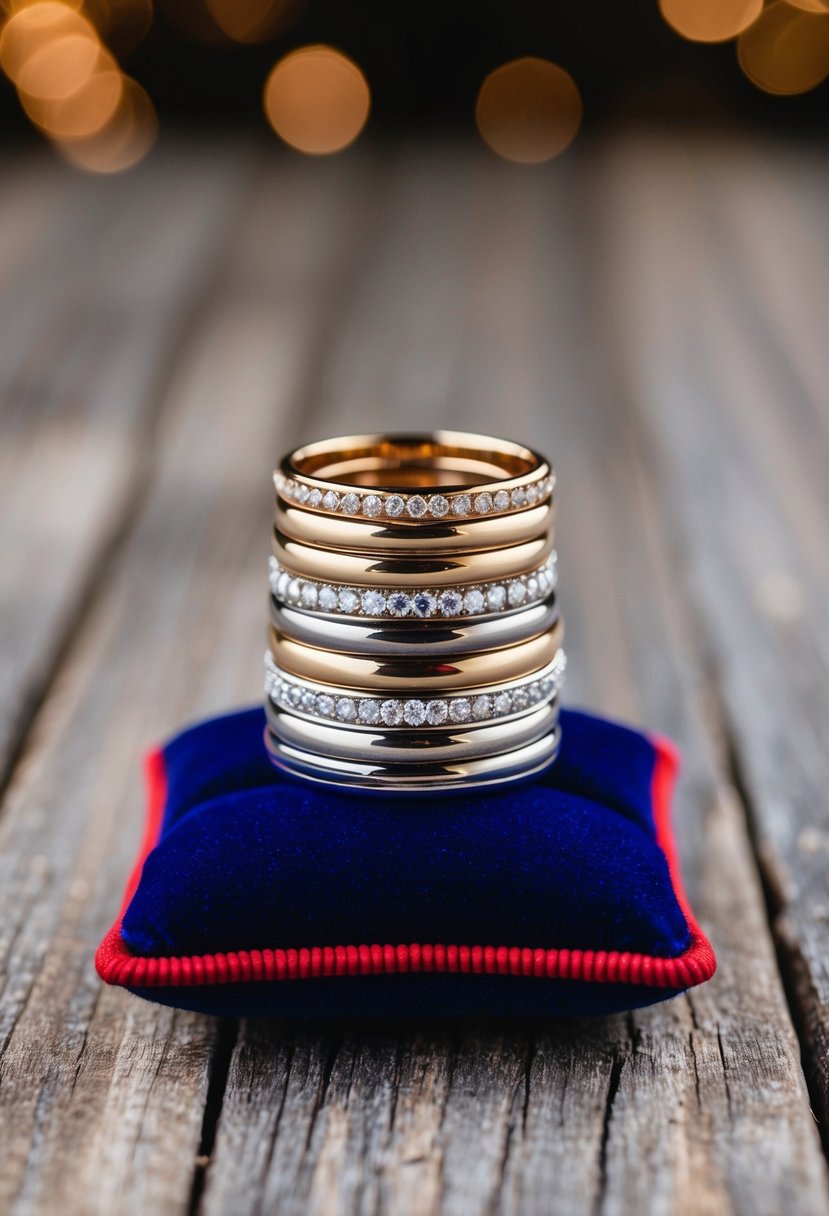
{"x": 448, "y": 602}
{"x": 348, "y": 708}
{"x": 408, "y": 507}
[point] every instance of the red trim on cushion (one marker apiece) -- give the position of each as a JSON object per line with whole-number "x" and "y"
{"x": 117, "y": 965}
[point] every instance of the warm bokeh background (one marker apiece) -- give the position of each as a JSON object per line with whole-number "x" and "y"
{"x": 100, "y": 78}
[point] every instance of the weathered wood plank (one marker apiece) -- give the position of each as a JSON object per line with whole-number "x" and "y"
{"x": 102, "y": 1097}
{"x": 99, "y": 280}
{"x": 737, "y": 408}
{"x": 480, "y": 309}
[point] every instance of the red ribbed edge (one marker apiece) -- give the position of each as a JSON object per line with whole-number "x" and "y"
{"x": 117, "y": 965}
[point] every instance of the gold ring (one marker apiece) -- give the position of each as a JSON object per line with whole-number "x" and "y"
{"x": 368, "y": 536}
{"x": 311, "y": 561}
{"x": 411, "y": 478}
{"x": 379, "y": 673}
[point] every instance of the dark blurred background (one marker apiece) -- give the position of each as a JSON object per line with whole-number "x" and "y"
{"x": 100, "y": 77}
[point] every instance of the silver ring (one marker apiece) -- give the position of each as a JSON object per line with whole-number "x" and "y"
{"x": 362, "y": 744}
{"x": 514, "y": 765}
{"x": 412, "y": 638}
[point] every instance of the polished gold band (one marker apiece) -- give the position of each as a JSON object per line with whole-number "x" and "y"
{"x": 440, "y": 571}
{"x": 384, "y": 673}
{"x": 453, "y": 460}
{"x": 450, "y": 535}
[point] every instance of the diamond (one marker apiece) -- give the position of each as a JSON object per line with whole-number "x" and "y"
{"x": 399, "y": 603}
{"x": 369, "y": 711}
{"x": 331, "y": 500}
{"x": 450, "y": 603}
{"x": 436, "y": 712}
{"x": 501, "y": 703}
{"x": 302, "y": 493}
{"x": 395, "y": 505}
{"x": 520, "y": 698}
{"x": 309, "y": 701}
{"x": 516, "y": 593}
{"x": 293, "y": 589}
{"x": 474, "y": 601}
{"x": 346, "y": 709}
{"x": 327, "y": 599}
{"x": 414, "y": 713}
{"x": 294, "y": 695}
{"x": 438, "y": 506}
{"x": 350, "y": 504}
{"x": 461, "y": 504}
{"x": 519, "y": 497}
{"x": 416, "y": 506}
{"x": 288, "y": 489}
{"x": 532, "y": 588}
{"x": 373, "y": 603}
{"x": 310, "y": 595}
{"x": 482, "y": 707}
{"x": 392, "y": 713}
{"x": 282, "y": 585}
{"x": 460, "y": 709}
{"x": 483, "y": 503}
{"x": 496, "y": 597}
{"x": 314, "y": 497}
{"x": 501, "y": 500}
{"x": 348, "y": 599}
{"x": 424, "y": 603}
{"x": 533, "y": 493}
{"x": 372, "y": 505}
{"x": 325, "y": 705}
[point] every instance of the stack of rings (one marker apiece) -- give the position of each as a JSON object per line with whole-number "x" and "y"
{"x": 415, "y": 639}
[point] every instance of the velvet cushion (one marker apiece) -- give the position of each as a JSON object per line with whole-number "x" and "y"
{"x": 258, "y": 894}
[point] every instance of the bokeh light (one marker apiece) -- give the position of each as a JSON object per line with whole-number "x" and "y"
{"x": 786, "y": 50}
{"x": 123, "y": 141}
{"x": 34, "y": 31}
{"x": 710, "y": 20}
{"x": 85, "y": 111}
{"x": 528, "y": 110}
{"x": 317, "y": 100}
{"x": 56, "y": 70}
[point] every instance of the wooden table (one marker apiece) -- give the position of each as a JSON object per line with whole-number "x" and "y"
{"x": 651, "y": 311}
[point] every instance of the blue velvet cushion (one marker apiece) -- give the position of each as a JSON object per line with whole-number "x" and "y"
{"x": 259, "y": 894}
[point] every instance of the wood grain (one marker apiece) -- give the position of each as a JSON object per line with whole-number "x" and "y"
{"x": 102, "y": 1097}
{"x": 737, "y": 408}
{"x": 639, "y": 312}
{"x": 696, "y": 1106}
{"x": 98, "y": 288}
